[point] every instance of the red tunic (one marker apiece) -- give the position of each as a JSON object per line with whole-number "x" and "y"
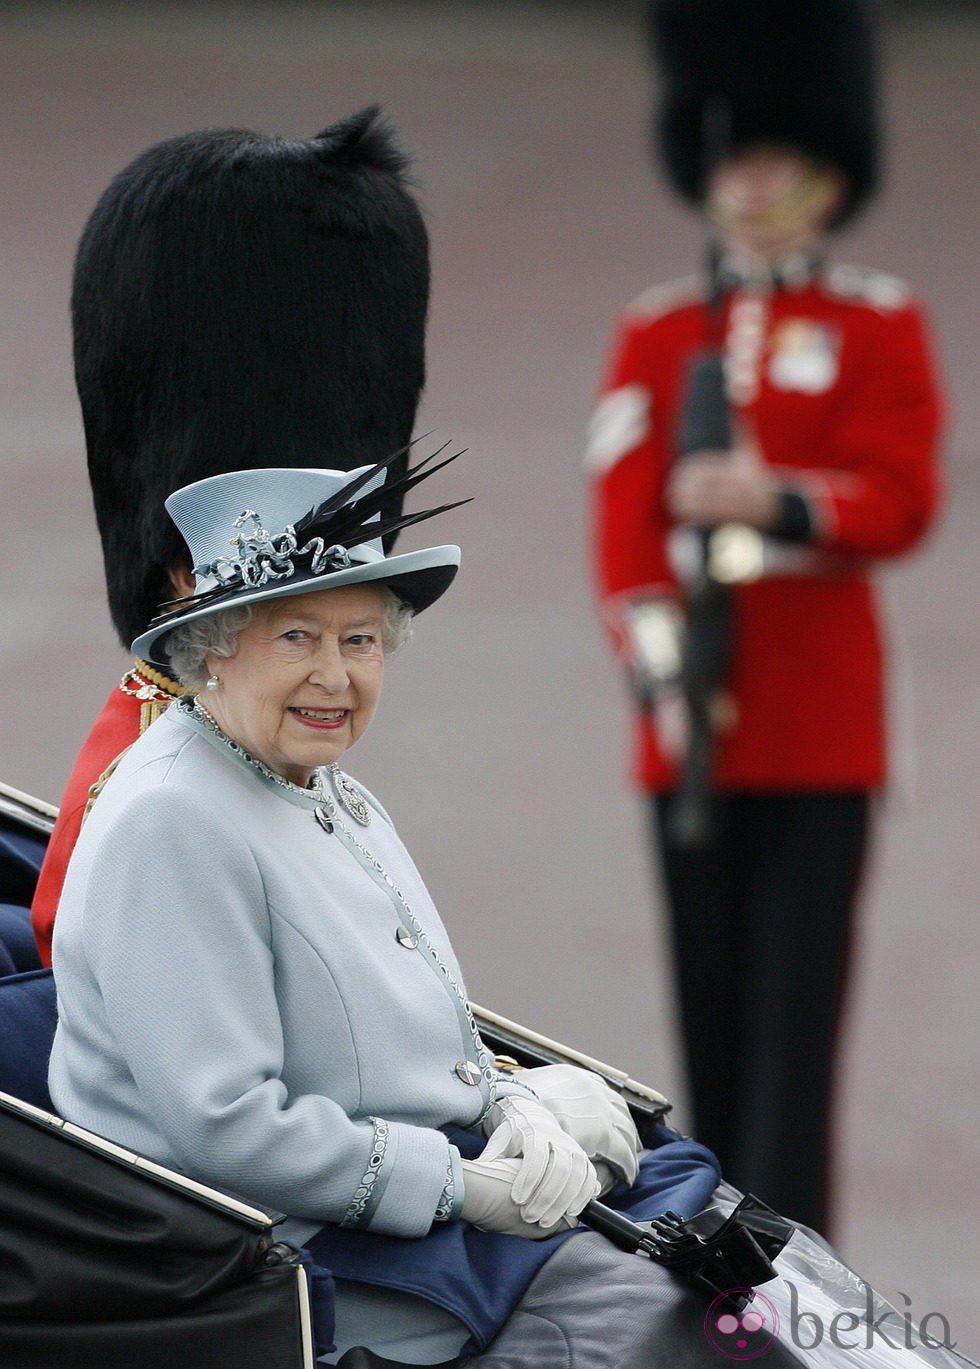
{"x": 128, "y": 711}
{"x": 835, "y": 378}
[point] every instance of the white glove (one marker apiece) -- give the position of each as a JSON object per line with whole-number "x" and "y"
{"x": 555, "y": 1178}
{"x": 488, "y": 1204}
{"x": 593, "y": 1114}
{"x": 654, "y": 630}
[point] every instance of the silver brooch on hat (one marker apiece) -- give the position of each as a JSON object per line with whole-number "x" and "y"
{"x": 262, "y": 558}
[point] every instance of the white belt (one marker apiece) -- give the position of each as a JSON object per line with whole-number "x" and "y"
{"x": 739, "y": 554}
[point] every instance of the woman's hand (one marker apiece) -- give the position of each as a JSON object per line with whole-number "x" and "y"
{"x": 488, "y": 1202}
{"x": 555, "y": 1178}
{"x": 593, "y": 1114}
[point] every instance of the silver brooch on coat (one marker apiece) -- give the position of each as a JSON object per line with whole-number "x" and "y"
{"x": 349, "y": 795}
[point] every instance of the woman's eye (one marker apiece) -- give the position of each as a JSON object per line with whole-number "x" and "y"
{"x": 361, "y": 642}
{"x": 294, "y": 635}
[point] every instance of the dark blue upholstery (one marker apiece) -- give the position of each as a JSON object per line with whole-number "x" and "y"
{"x": 18, "y": 948}
{"x": 28, "y": 1016}
{"x": 21, "y": 854}
{"x": 28, "y": 1008}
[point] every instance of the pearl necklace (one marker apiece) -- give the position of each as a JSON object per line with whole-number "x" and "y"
{"x": 344, "y": 787}
{"x": 314, "y": 790}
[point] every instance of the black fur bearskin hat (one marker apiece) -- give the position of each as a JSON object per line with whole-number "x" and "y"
{"x": 735, "y": 72}
{"x": 242, "y": 301}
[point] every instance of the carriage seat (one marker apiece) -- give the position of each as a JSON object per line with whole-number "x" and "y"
{"x": 21, "y": 854}
{"x": 18, "y": 949}
{"x": 28, "y": 1011}
{"x": 28, "y": 1017}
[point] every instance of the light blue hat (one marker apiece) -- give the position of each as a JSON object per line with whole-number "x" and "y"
{"x": 268, "y": 533}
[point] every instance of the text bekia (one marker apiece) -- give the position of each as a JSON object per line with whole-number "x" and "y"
{"x": 851, "y": 1330}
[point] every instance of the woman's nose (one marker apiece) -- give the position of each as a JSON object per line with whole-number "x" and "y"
{"x": 329, "y": 669}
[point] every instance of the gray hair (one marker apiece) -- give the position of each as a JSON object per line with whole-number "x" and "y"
{"x": 217, "y": 635}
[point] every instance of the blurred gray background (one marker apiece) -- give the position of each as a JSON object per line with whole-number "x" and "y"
{"x": 501, "y": 745}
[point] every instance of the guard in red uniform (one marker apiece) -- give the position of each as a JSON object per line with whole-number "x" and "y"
{"x": 238, "y": 301}
{"x": 832, "y": 414}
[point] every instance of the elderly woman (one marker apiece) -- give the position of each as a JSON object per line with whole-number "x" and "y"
{"x": 255, "y": 987}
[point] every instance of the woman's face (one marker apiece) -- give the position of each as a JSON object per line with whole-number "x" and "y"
{"x": 305, "y": 680}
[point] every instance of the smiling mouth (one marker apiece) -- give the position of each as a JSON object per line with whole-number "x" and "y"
{"x": 321, "y": 715}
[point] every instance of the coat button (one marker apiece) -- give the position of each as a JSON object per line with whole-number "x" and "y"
{"x": 407, "y": 938}
{"x": 468, "y": 1072}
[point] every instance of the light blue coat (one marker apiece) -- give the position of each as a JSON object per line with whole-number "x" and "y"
{"x": 268, "y": 1006}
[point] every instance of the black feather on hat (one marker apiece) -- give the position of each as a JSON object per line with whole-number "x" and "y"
{"x": 793, "y": 72}
{"x": 243, "y": 301}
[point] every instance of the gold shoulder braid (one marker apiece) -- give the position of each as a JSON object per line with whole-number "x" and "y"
{"x": 154, "y": 691}
{"x": 96, "y": 789}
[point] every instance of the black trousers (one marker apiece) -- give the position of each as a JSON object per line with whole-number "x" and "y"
{"x": 761, "y": 925}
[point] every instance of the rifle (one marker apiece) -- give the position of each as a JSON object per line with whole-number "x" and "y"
{"x": 706, "y": 650}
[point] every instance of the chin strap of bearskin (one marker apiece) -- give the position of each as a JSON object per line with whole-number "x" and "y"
{"x": 726, "y": 1257}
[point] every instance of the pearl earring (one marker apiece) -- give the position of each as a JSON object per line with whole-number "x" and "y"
{"x": 212, "y": 684}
